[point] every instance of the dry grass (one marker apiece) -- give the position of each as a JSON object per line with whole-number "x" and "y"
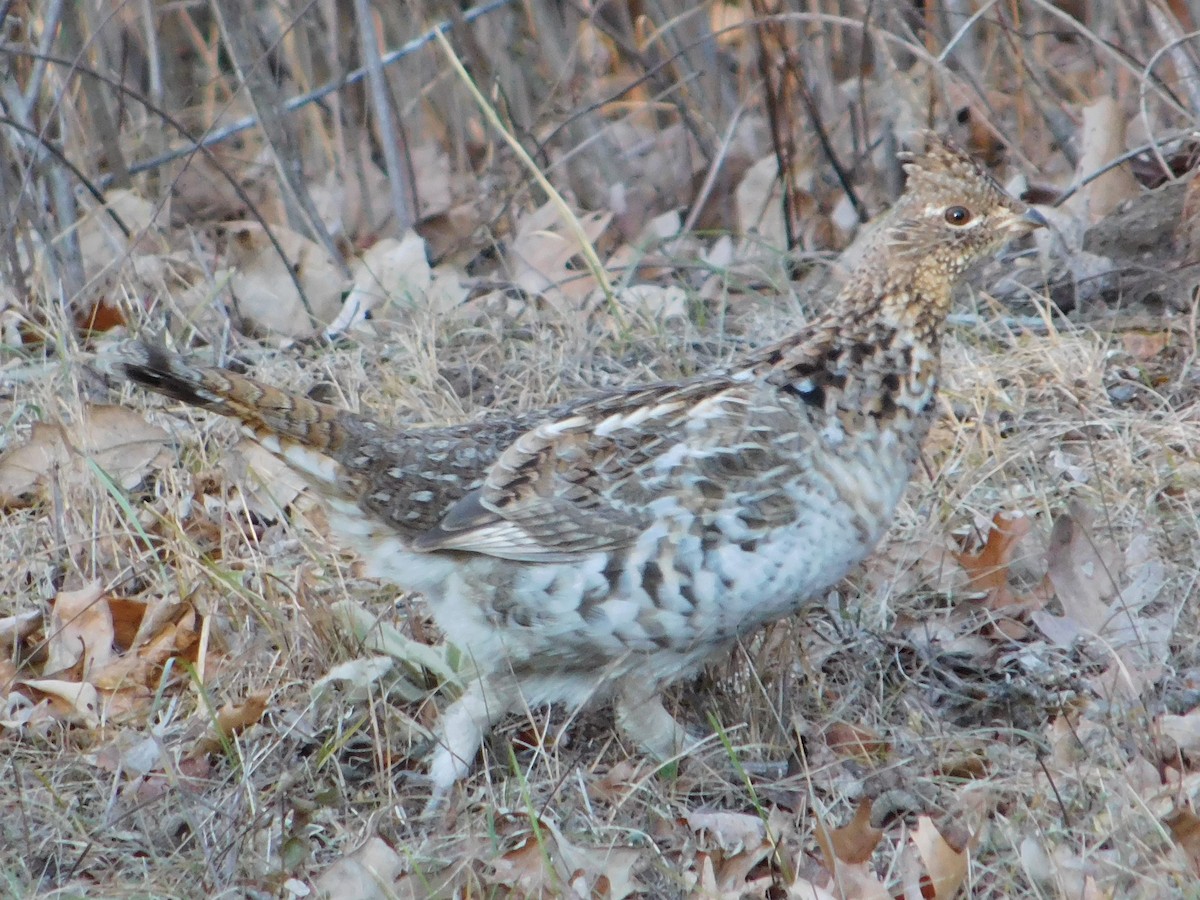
{"x": 911, "y": 689}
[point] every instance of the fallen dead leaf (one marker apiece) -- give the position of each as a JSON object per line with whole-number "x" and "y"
{"x": 1102, "y": 139}
{"x": 1145, "y": 345}
{"x": 127, "y": 617}
{"x": 1184, "y": 730}
{"x": 432, "y": 167}
{"x": 945, "y": 863}
{"x": 22, "y": 714}
{"x": 366, "y": 874}
{"x": 855, "y": 841}
{"x": 359, "y": 675}
{"x": 80, "y": 628}
{"x": 617, "y": 783}
{"x": 354, "y": 199}
{"x": 856, "y": 742}
{"x": 759, "y": 203}
{"x": 129, "y": 753}
{"x": 661, "y": 303}
{"x": 527, "y": 868}
{"x": 604, "y": 871}
{"x": 264, "y": 294}
{"x": 8, "y": 677}
{"x": 542, "y": 252}
{"x": 1083, "y": 568}
{"x": 1086, "y": 572}
{"x": 988, "y": 568}
{"x": 845, "y": 851}
{"x": 732, "y": 832}
{"x": 18, "y": 627}
{"x": 397, "y": 273}
{"x": 118, "y": 440}
{"x": 101, "y": 240}
{"x": 1142, "y": 776}
{"x": 168, "y": 631}
{"x": 232, "y": 720}
{"x": 851, "y": 882}
{"x": 548, "y": 864}
{"x": 1185, "y": 829}
{"x": 72, "y": 699}
{"x": 1061, "y": 872}
{"x": 273, "y": 486}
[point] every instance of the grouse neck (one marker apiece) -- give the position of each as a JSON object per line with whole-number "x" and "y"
{"x": 913, "y": 305}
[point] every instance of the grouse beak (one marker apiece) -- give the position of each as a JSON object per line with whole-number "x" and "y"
{"x": 1028, "y": 221}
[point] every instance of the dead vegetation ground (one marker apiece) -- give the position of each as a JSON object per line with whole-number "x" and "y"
{"x": 203, "y": 698}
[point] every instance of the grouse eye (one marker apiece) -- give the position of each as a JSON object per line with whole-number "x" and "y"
{"x": 958, "y": 215}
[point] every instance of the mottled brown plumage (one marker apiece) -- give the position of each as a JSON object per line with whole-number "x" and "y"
{"x": 613, "y": 544}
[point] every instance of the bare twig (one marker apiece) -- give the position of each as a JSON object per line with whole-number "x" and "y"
{"x": 399, "y": 171}
{"x": 595, "y": 267}
{"x": 175, "y": 123}
{"x": 241, "y": 39}
{"x": 352, "y": 77}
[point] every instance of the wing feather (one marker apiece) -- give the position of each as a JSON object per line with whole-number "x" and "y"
{"x": 582, "y": 482}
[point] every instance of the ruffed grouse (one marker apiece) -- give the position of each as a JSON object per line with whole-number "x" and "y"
{"x": 611, "y": 545}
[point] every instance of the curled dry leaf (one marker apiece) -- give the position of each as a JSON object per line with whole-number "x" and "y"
{"x": 732, "y": 832}
{"x": 18, "y": 712}
{"x": 737, "y": 843}
{"x": 390, "y": 270}
{"x": 354, "y": 199}
{"x": 554, "y": 866}
{"x": 945, "y": 862}
{"x": 1062, "y": 873}
{"x": 101, "y": 239}
{"x": 660, "y": 303}
{"x": 856, "y": 742}
{"x": 80, "y": 628}
{"x": 759, "y": 201}
{"x": 383, "y": 637}
{"x": 232, "y": 720}
{"x": 74, "y": 700}
{"x": 617, "y": 784}
{"x": 262, "y": 288}
{"x": 846, "y": 851}
{"x": 140, "y": 666}
{"x": 366, "y": 874}
{"x": 1145, "y": 345}
{"x": 852, "y": 882}
{"x": 189, "y": 775}
{"x": 129, "y": 753}
{"x": 358, "y": 675}
{"x": 273, "y": 486}
{"x": 1185, "y": 830}
{"x": 1102, "y": 140}
{"x": 1184, "y": 731}
{"x": 18, "y": 627}
{"x": 1104, "y": 594}
{"x": 542, "y": 251}
{"x": 988, "y": 567}
{"x": 1084, "y": 568}
{"x": 118, "y": 440}
{"x": 8, "y": 677}
{"x": 397, "y": 272}
{"x": 855, "y": 841}
{"x": 127, "y": 616}
{"x": 432, "y": 167}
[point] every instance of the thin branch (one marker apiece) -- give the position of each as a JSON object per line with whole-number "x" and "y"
{"x": 352, "y": 77}
{"x": 390, "y": 139}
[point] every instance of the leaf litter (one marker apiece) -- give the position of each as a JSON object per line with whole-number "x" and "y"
{"x": 217, "y": 636}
